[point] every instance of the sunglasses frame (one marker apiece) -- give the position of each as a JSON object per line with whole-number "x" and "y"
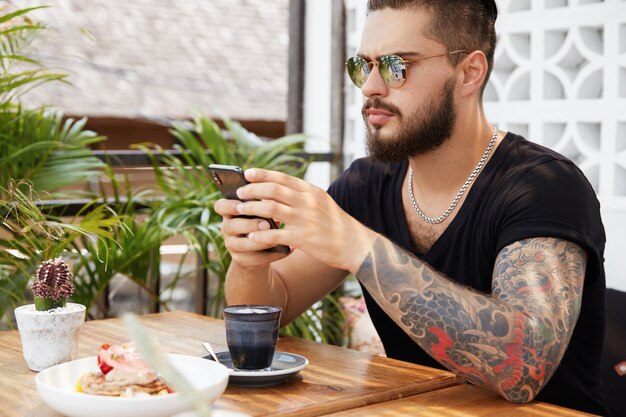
{"x": 379, "y": 62}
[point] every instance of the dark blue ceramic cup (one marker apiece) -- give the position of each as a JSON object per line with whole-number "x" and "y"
{"x": 251, "y": 335}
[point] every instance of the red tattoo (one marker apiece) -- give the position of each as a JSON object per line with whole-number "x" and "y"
{"x": 515, "y": 363}
{"x": 439, "y": 351}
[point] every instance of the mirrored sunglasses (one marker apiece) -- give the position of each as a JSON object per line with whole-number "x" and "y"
{"x": 392, "y": 68}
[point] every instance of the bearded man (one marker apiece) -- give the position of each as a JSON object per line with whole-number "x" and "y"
{"x": 477, "y": 250}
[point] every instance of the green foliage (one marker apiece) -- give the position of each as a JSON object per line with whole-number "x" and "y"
{"x": 188, "y": 196}
{"x": 323, "y": 322}
{"x": 37, "y": 145}
{"x": 40, "y": 156}
{"x": 133, "y": 252}
{"x": 187, "y": 207}
{"x": 19, "y": 73}
{"x": 31, "y": 236}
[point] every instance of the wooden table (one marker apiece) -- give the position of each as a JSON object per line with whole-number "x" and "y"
{"x": 336, "y": 379}
{"x": 460, "y": 400}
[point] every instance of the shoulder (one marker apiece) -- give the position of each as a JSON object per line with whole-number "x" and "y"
{"x": 535, "y": 170}
{"x": 525, "y": 154}
{"x": 367, "y": 167}
{"x": 365, "y": 184}
{"x": 364, "y": 174}
{"x": 543, "y": 193}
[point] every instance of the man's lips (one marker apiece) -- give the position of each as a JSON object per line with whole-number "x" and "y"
{"x": 377, "y": 116}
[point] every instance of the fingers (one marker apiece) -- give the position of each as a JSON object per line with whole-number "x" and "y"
{"x": 281, "y": 203}
{"x": 247, "y": 244}
{"x": 237, "y": 229}
{"x": 236, "y": 226}
{"x": 268, "y": 209}
{"x": 276, "y": 195}
{"x": 258, "y": 175}
{"x": 229, "y": 209}
{"x": 243, "y": 249}
{"x": 268, "y": 239}
{"x": 226, "y": 208}
{"x": 267, "y": 191}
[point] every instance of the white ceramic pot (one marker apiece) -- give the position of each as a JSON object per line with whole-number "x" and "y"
{"x": 49, "y": 337}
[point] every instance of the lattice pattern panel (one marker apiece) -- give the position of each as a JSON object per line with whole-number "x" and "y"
{"x": 559, "y": 79}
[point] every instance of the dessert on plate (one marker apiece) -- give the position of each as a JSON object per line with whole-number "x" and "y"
{"x": 123, "y": 373}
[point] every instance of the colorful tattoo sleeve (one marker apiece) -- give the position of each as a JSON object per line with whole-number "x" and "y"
{"x": 510, "y": 341}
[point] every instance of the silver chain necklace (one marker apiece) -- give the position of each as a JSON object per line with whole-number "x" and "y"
{"x": 457, "y": 197}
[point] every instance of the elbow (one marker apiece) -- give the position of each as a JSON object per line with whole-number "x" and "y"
{"x": 519, "y": 396}
{"x": 529, "y": 367}
{"x": 520, "y": 392}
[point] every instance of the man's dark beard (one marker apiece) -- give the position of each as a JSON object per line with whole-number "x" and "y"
{"x": 424, "y": 130}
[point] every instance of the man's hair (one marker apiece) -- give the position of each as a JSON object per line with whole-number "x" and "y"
{"x": 457, "y": 24}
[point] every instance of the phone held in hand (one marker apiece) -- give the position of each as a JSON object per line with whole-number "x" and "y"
{"x": 228, "y": 179}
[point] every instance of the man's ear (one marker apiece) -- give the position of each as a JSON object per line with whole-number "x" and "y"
{"x": 473, "y": 70}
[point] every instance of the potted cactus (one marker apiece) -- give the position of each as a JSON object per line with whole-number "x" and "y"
{"x": 49, "y": 328}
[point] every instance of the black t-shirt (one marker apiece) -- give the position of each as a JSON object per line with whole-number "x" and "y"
{"x": 524, "y": 191}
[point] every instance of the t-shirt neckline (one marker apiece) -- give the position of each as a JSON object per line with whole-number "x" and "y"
{"x": 461, "y": 210}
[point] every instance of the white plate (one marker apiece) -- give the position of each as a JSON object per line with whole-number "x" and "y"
{"x": 284, "y": 366}
{"x": 215, "y": 412}
{"x": 57, "y": 387}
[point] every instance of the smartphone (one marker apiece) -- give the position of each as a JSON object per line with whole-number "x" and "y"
{"x": 228, "y": 179}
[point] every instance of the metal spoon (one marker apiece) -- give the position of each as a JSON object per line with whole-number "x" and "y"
{"x": 209, "y": 349}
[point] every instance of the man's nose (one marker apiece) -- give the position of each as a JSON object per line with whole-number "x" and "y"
{"x": 375, "y": 86}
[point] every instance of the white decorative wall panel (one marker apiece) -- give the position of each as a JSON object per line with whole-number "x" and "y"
{"x": 560, "y": 80}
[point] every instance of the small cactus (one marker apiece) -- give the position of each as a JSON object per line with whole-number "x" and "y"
{"x": 53, "y": 284}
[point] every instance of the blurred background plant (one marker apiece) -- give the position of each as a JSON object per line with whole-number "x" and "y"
{"x": 187, "y": 206}
{"x": 30, "y": 235}
{"x": 41, "y": 157}
{"x": 120, "y": 229}
{"x": 38, "y": 149}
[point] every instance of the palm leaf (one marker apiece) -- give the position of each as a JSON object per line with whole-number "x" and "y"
{"x": 188, "y": 206}
{"x": 50, "y": 152}
{"x": 10, "y": 16}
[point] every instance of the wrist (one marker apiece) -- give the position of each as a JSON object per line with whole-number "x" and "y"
{"x": 364, "y": 243}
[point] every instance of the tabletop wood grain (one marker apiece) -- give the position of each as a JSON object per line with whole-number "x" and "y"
{"x": 460, "y": 400}
{"x": 336, "y": 379}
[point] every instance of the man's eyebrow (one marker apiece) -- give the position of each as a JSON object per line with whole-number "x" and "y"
{"x": 406, "y": 53}
{"x": 398, "y": 53}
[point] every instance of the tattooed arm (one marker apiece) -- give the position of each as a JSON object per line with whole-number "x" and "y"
{"x": 510, "y": 341}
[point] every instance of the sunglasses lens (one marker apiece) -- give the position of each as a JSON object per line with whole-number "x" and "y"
{"x": 393, "y": 70}
{"x": 358, "y": 70}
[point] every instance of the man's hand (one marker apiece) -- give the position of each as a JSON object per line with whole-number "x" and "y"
{"x": 314, "y": 223}
{"x": 327, "y": 242}
{"x": 244, "y": 251}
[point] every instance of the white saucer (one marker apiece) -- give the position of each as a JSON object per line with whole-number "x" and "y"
{"x": 284, "y": 365}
